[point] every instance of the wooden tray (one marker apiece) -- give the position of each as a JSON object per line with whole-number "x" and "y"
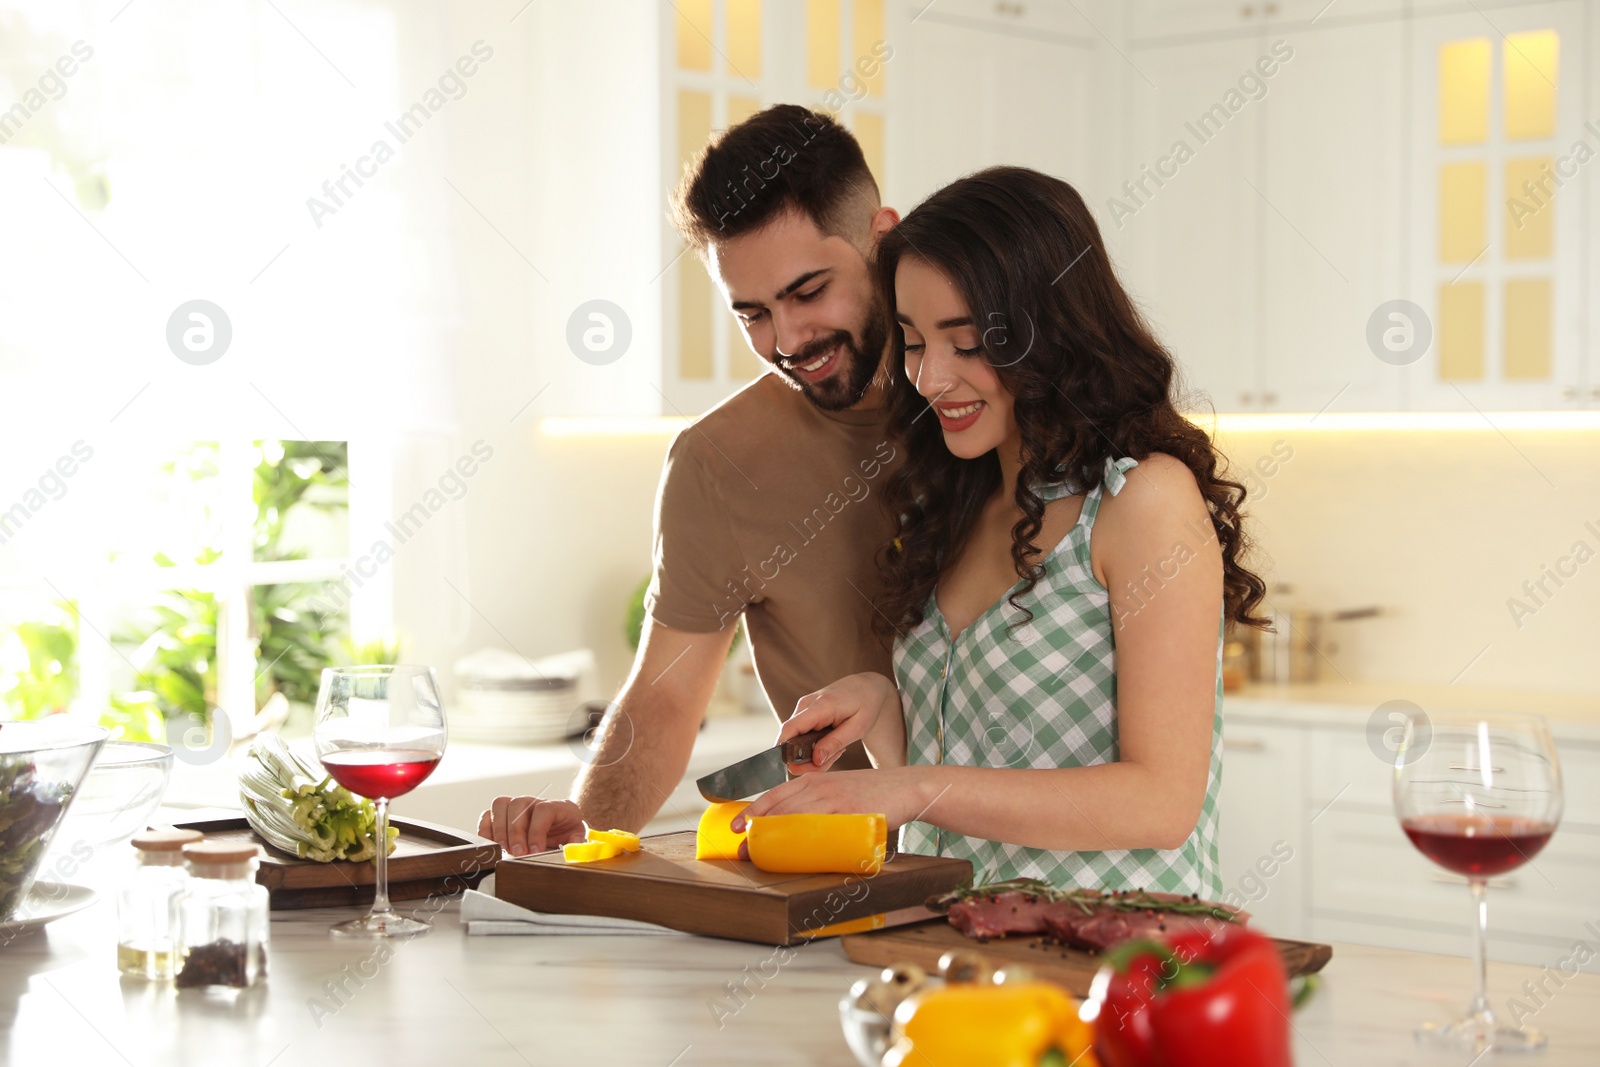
{"x": 427, "y": 860}
{"x": 663, "y": 883}
{"x": 1073, "y": 968}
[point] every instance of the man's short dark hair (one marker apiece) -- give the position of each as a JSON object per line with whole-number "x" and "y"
{"x": 786, "y": 157}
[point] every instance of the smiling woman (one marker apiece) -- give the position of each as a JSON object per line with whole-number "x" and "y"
{"x": 1048, "y": 717}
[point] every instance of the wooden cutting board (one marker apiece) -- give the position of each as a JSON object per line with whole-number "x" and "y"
{"x": 1073, "y": 968}
{"x": 663, "y": 883}
{"x": 427, "y": 860}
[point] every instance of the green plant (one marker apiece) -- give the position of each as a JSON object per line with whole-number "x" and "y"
{"x": 50, "y": 680}
{"x": 371, "y": 653}
{"x": 176, "y": 655}
{"x": 294, "y": 641}
{"x": 313, "y": 473}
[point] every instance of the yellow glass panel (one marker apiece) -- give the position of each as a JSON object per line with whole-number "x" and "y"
{"x": 1528, "y": 329}
{"x": 741, "y": 108}
{"x": 1530, "y": 216}
{"x": 1464, "y": 91}
{"x": 1461, "y": 332}
{"x": 694, "y": 320}
{"x": 744, "y": 38}
{"x": 868, "y": 32}
{"x": 869, "y": 132}
{"x": 694, "y": 34}
{"x": 694, "y": 123}
{"x": 822, "y": 43}
{"x": 1531, "y": 60}
{"x": 743, "y": 364}
{"x": 1463, "y": 211}
{"x": 694, "y": 286}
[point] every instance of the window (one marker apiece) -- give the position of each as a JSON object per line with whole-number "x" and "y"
{"x": 219, "y": 580}
{"x": 1499, "y": 183}
{"x": 727, "y": 60}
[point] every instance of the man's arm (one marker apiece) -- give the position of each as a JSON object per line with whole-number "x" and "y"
{"x": 643, "y": 747}
{"x": 641, "y": 750}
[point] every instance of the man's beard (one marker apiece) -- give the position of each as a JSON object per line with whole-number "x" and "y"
{"x": 843, "y": 390}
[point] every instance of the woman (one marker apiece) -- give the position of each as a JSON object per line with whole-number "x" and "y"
{"x": 1068, "y": 554}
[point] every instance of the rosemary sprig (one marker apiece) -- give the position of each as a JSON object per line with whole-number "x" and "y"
{"x": 1089, "y": 899}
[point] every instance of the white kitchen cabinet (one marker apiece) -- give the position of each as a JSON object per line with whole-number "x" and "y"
{"x": 1265, "y": 847}
{"x": 983, "y": 92}
{"x": 1493, "y": 349}
{"x": 1185, "y": 216}
{"x": 1332, "y": 219}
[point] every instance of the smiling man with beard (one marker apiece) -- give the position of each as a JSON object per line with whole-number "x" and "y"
{"x": 750, "y": 515}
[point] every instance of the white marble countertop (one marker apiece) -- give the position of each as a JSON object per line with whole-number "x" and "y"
{"x": 642, "y": 1001}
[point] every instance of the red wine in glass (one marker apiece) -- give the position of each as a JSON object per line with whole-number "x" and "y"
{"x": 384, "y": 772}
{"x": 1478, "y": 846}
{"x": 380, "y": 732}
{"x": 1478, "y": 795}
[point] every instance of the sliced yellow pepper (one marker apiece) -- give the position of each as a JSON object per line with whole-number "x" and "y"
{"x": 588, "y": 851}
{"x": 714, "y": 840}
{"x": 818, "y": 844}
{"x": 621, "y": 838}
{"x": 972, "y": 1025}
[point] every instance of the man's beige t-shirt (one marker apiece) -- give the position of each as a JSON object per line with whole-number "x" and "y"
{"x": 772, "y": 508}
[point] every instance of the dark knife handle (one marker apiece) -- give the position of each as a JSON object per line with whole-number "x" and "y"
{"x": 798, "y": 748}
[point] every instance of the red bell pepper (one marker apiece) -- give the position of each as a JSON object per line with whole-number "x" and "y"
{"x": 1202, "y": 997}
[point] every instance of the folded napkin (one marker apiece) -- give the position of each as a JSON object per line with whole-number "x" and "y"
{"x": 486, "y": 915}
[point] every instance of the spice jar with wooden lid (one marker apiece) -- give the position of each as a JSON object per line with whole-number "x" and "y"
{"x": 147, "y": 904}
{"x": 223, "y": 927}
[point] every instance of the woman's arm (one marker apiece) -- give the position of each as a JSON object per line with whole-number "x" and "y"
{"x": 1154, "y": 549}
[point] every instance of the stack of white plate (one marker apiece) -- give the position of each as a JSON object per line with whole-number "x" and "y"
{"x": 504, "y": 698}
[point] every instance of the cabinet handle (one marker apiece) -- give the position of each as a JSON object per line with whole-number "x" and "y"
{"x": 1571, "y": 393}
{"x": 1246, "y": 11}
{"x": 1594, "y": 393}
{"x": 1241, "y": 744}
{"x": 1245, "y": 398}
{"x": 1269, "y": 399}
{"x": 1003, "y": 8}
{"x": 1270, "y": 9}
{"x": 1456, "y": 879}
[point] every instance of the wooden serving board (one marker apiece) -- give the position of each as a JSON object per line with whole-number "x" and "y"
{"x": 663, "y": 883}
{"x": 428, "y": 859}
{"x": 1073, "y": 968}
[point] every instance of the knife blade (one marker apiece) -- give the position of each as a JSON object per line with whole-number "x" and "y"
{"x": 760, "y": 772}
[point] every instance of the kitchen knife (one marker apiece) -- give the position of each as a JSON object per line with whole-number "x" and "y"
{"x": 760, "y": 772}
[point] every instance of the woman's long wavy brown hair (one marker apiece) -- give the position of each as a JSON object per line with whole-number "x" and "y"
{"x": 1088, "y": 378}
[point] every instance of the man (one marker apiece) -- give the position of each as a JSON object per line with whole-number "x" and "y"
{"x": 769, "y": 505}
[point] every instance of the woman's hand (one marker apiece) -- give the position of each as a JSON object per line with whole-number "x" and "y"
{"x": 851, "y": 709}
{"x": 895, "y": 791}
{"x": 523, "y": 825}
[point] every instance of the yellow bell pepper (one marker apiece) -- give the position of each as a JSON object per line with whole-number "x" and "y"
{"x": 621, "y": 838}
{"x": 588, "y": 851}
{"x": 973, "y": 1025}
{"x": 817, "y": 844}
{"x": 714, "y": 840}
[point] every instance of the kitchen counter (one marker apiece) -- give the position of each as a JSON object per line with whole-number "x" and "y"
{"x": 642, "y": 1001}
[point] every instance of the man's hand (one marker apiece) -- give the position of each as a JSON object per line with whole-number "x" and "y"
{"x": 523, "y": 825}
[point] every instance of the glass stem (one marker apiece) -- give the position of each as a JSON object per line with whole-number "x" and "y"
{"x": 380, "y": 899}
{"x": 1479, "y": 1009}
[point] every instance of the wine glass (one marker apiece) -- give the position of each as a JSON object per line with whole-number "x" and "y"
{"x": 1479, "y": 795}
{"x": 379, "y": 732}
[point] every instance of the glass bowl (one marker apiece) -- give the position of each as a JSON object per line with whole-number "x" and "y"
{"x": 124, "y": 788}
{"x": 42, "y": 765}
